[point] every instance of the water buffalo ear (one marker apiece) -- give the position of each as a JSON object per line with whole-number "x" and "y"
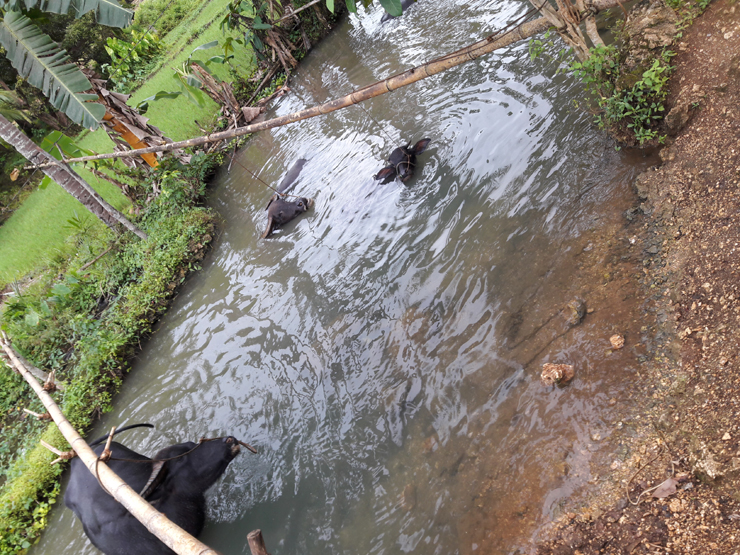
{"x": 268, "y": 229}
{"x": 421, "y": 146}
{"x": 386, "y": 174}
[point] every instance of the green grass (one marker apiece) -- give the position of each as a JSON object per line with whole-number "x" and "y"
{"x": 38, "y": 230}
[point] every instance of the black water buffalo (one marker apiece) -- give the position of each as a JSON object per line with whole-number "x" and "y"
{"x": 402, "y": 162}
{"x": 405, "y": 4}
{"x": 174, "y": 487}
{"x": 281, "y": 211}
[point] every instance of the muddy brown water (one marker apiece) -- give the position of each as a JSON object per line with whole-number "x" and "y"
{"x": 383, "y": 351}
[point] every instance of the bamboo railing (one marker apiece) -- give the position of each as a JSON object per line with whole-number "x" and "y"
{"x": 469, "y": 53}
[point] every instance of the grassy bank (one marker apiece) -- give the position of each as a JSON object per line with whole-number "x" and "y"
{"x": 42, "y": 220}
{"x": 86, "y": 325}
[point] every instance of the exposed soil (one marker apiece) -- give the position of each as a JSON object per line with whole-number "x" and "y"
{"x": 686, "y": 422}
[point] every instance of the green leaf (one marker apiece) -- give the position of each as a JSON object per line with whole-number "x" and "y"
{"x": 61, "y": 290}
{"x": 330, "y": 5}
{"x": 193, "y": 81}
{"x": 107, "y": 12}
{"x": 163, "y": 94}
{"x": 220, "y": 59}
{"x": 40, "y": 60}
{"x": 45, "y": 309}
{"x": 205, "y": 46}
{"x": 56, "y": 144}
{"x": 32, "y": 318}
{"x": 393, "y": 7}
{"x": 193, "y": 94}
{"x": 351, "y": 6}
{"x": 44, "y": 182}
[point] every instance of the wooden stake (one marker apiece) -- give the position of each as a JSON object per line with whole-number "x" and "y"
{"x": 157, "y": 523}
{"x": 63, "y": 455}
{"x": 105, "y": 455}
{"x": 45, "y": 416}
{"x": 257, "y": 543}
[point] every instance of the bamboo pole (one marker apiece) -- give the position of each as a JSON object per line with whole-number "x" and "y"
{"x": 443, "y": 63}
{"x": 157, "y": 523}
{"x": 378, "y": 88}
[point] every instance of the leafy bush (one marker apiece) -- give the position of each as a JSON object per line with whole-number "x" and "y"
{"x": 131, "y": 59}
{"x": 85, "y": 40}
{"x": 633, "y": 102}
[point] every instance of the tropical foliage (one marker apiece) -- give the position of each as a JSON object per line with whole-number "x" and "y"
{"x": 632, "y": 102}
{"x": 39, "y": 59}
{"x": 86, "y": 325}
{"x": 131, "y": 59}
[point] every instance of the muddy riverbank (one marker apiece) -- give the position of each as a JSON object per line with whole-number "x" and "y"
{"x": 684, "y": 429}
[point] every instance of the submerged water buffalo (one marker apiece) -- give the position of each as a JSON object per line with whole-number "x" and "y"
{"x": 402, "y": 162}
{"x": 405, "y": 4}
{"x": 174, "y": 487}
{"x": 281, "y": 211}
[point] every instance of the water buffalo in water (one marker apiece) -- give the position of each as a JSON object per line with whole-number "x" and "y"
{"x": 405, "y": 4}
{"x": 402, "y": 162}
{"x": 174, "y": 487}
{"x": 281, "y": 211}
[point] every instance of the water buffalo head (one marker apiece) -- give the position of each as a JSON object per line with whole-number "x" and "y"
{"x": 281, "y": 211}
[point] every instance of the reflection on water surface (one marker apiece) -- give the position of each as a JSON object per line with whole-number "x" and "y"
{"x": 383, "y": 351}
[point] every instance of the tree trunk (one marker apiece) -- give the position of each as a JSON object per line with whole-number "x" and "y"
{"x": 66, "y": 177}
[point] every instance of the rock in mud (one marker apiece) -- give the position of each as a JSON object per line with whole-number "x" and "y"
{"x": 408, "y": 498}
{"x": 650, "y": 27}
{"x": 557, "y": 374}
{"x": 617, "y": 341}
{"x": 709, "y": 467}
{"x": 430, "y": 445}
{"x": 575, "y": 311}
{"x": 680, "y": 114}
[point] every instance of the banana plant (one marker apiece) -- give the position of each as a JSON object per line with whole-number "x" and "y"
{"x": 45, "y": 65}
{"x": 37, "y": 58}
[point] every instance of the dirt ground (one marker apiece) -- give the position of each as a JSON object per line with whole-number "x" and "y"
{"x": 686, "y": 437}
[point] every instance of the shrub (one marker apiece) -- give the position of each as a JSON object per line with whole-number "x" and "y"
{"x": 131, "y": 59}
{"x": 630, "y": 102}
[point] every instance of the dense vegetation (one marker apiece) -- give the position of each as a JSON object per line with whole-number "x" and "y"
{"x": 636, "y": 107}
{"x": 86, "y": 325}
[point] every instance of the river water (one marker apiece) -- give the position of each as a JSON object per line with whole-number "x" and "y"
{"x": 383, "y": 351}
